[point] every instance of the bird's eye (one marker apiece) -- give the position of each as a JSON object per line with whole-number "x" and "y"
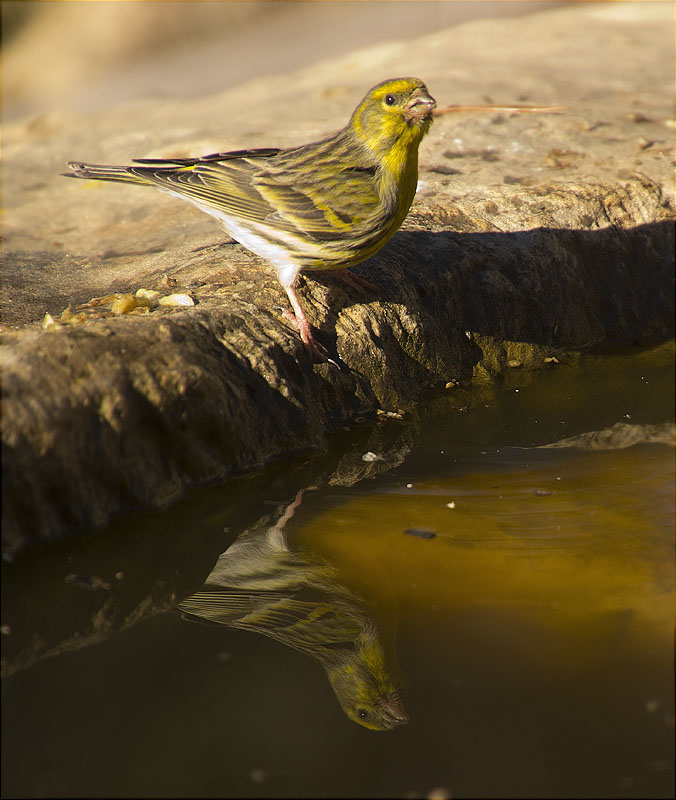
{"x": 363, "y": 713}
{"x": 390, "y": 99}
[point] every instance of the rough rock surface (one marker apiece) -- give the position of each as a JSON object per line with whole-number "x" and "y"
{"x": 530, "y": 235}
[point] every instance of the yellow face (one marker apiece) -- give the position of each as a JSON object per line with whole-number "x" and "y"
{"x": 399, "y": 109}
{"x": 367, "y": 695}
{"x": 403, "y": 98}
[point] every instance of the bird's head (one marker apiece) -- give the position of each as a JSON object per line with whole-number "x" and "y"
{"x": 366, "y": 688}
{"x": 398, "y": 110}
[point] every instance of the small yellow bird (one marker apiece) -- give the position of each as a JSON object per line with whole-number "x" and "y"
{"x": 326, "y": 205}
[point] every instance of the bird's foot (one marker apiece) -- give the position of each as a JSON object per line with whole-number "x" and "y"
{"x": 305, "y": 330}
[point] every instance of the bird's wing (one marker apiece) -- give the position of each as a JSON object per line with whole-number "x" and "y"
{"x": 225, "y": 185}
{"x": 301, "y": 624}
{"x": 328, "y": 201}
{"x": 226, "y": 608}
{"x": 323, "y": 194}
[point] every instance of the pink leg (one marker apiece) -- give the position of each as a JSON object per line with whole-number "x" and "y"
{"x": 303, "y": 325}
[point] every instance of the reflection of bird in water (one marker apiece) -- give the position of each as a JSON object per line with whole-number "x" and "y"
{"x": 259, "y": 584}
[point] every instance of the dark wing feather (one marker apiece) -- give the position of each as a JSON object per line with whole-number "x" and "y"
{"x": 261, "y": 152}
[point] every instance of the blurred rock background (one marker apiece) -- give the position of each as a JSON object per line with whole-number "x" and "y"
{"x": 82, "y": 56}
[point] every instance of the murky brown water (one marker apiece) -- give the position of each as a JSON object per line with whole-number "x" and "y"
{"x": 515, "y": 602}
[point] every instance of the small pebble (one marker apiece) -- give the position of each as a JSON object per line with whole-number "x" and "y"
{"x": 123, "y": 304}
{"x": 176, "y": 300}
{"x": 147, "y": 294}
{"x": 142, "y": 302}
{"x": 420, "y": 533}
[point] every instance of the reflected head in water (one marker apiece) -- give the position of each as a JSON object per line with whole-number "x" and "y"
{"x": 262, "y": 584}
{"x": 364, "y": 688}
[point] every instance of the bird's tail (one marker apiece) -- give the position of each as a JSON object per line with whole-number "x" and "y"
{"x": 101, "y": 172}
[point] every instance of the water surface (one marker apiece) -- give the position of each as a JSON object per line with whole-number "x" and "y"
{"x": 515, "y": 597}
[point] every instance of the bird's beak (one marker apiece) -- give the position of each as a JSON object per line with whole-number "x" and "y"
{"x": 393, "y": 712}
{"x": 420, "y": 106}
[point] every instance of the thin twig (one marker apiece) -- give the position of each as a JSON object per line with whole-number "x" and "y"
{"x": 521, "y": 109}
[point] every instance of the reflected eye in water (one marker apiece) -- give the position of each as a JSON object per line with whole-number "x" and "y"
{"x": 264, "y": 585}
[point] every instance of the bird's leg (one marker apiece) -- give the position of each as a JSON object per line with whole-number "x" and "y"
{"x": 303, "y": 325}
{"x": 355, "y": 280}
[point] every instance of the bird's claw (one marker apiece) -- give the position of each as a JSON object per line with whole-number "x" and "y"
{"x": 305, "y": 331}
